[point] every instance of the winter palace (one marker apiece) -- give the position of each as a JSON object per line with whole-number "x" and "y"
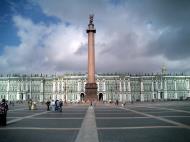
{"x": 111, "y": 87}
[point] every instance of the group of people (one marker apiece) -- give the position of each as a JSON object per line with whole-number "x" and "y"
{"x": 3, "y": 113}
{"x": 55, "y": 105}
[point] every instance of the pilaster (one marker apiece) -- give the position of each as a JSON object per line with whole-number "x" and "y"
{"x": 104, "y": 85}
{"x": 142, "y": 91}
{"x": 124, "y": 91}
{"x": 165, "y": 90}
{"x": 8, "y": 87}
{"x": 188, "y": 87}
{"x": 42, "y": 91}
{"x": 175, "y": 89}
{"x": 152, "y": 88}
{"x": 158, "y": 91}
{"x": 129, "y": 90}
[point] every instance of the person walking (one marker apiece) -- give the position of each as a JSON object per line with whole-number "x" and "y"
{"x": 90, "y": 103}
{"x": 117, "y": 102}
{"x": 30, "y": 104}
{"x": 60, "y": 105}
{"x": 56, "y": 105}
{"x": 3, "y": 113}
{"x": 48, "y": 104}
{"x": 53, "y": 105}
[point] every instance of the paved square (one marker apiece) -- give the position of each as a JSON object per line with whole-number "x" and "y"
{"x": 41, "y": 125}
{"x": 138, "y": 122}
{"x": 144, "y": 122}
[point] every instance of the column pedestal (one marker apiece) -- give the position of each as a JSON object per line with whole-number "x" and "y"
{"x": 91, "y": 92}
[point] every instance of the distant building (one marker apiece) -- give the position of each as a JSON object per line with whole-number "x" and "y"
{"x": 111, "y": 87}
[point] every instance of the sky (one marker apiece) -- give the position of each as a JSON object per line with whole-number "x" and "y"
{"x": 132, "y": 36}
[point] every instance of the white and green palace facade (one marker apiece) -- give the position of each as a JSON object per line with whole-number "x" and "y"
{"x": 71, "y": 87}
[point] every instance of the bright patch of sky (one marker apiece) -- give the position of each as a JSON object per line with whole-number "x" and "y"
{"x": 24, "y": 8}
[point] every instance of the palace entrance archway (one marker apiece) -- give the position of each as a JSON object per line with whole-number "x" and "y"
{"x": 100, "y": 97}
{"x": 82, "y": 97}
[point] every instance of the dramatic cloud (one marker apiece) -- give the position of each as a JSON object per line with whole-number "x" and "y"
{"x": 132, "y": 36}
{"x": 44, "y": 48}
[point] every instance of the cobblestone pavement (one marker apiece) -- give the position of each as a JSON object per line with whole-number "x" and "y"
{"x": 138, "y": 122}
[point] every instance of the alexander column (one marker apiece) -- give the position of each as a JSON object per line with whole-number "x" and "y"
{"x": 91, "y": 86}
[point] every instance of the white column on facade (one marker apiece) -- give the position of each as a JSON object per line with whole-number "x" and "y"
{"x": 120, "y": 86}
{"x": 165, "y": 90}
{"x": 30, "y": 88}
{"x": 23, "y": 90}
{"x": 58, "y": 86}
{"x": 78, "y": 90}
{"x": 188, "y": 87}
{"x": 84, "y": 86}
{"x": 129, "y": 90}
{"x": 124, "y": 87}
{"x": 53, "y": 97}
{"x": 41, "y": 86}
{"x": 27, "y": 86}
{"x": 98, "y": 85}
{"x": 142, "y": 91}
{"x": 18, "y": 91}
{"x": 78, "y": 86}
{"x": 66, "y": 90}
{"x": 24, "y": 96}
{"x": 105, "y": 97}
{"x": 62, "y": 90}
{"x": 161, "y": 89}
{"x": 120, "y": 90}
{"x": 59, "y": 89}
{"x": 26, "y": 89}
{"x": 62, "y": 86}
{"x": 124, "y": 91}
{"x": 153, "y": 89}
{"x": 8, "y": 86}
{"x": 175, "y": 89}
{"x": 53, "y": 86}
{"x": 158, "y": 92}
{"x": 104, "y": 85}
{"x": 41, "y": 91}
{"x": 161, "y": 85}
{"x": 17, "y": 96}
{"x": 22, "y": 86}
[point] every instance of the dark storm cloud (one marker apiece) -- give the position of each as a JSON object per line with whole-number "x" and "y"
{"x": 162, "y": 12}
{"x": 172, "y": 19}
{"x": 125, "y": 43}
{"x": 174, "y": 45}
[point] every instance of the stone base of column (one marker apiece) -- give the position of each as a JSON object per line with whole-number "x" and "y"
{"x": 91, "y": 92}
